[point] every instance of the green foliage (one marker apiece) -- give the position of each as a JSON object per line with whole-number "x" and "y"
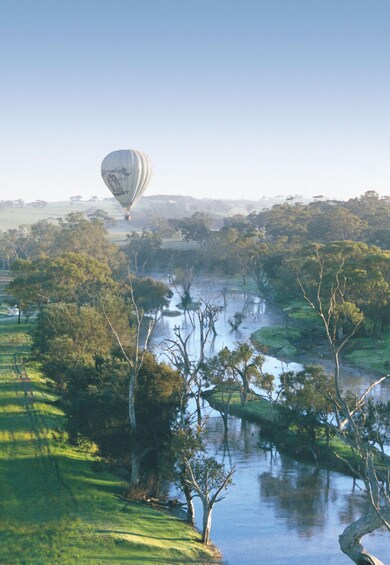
{"x": 149, "y": 295}
{"x": 238, "y": 369}
{"x": 276, "y": 340}
{"x": 348, "y": 280}
{"x": 71, "y": 277}
{"x": 307, "y": 398}
{"x": 142, "y": 249}
{"x": 357, "y": 219}
{"x": 96, "y": 406}
{"x": 80, "y": 235}
{"x": 195, "y": 227}
{"x": 375, "y": 421}
{"x": 308, "y": 391}
{"x": 371, "y": 353}
{"x": 284, "y": 433}
{"x": 74, "y": 233}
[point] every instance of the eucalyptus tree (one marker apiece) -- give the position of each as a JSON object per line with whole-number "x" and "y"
{"x": 71, "y": 277}
{"x": 336, "y": 288}
{"x": 236, "y": 371}
{"x": 196, "y": 227}
{"x": 142, "y": 250}
{"x": 244, "y": 366}
{"x": 183, "y": 281}
{"x": 308, "y": 397}
{"x": 209, "y": 479}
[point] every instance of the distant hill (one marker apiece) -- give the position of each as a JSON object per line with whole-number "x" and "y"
{"x": 174, "y": 206}
{"x": 14, "y": 213}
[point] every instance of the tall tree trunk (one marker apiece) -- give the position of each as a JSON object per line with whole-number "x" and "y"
{"x": 190, "y": 517}
{"x": 351, "y": 536}
{"x": 206, "y": 523}
{"x": 135, "y": 465}
{"x": 132, "y": 419}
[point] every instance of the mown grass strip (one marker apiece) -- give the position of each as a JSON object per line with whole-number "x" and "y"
{"x": 55, "y": 507}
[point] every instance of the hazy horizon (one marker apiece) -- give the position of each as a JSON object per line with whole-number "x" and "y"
{"x": 230, "y": 100}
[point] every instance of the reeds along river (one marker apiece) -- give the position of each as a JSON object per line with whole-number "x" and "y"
{"x": 280, "y": 511}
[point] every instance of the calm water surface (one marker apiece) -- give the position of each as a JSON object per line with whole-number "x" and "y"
{"x": 280, "y": 511}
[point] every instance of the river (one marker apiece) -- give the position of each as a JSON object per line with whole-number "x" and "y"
{"x": 280, "y": 511}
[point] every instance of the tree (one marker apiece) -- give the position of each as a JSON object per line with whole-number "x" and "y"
{"x": 237, "y": 320}
{"x": 243, "y": 366}
{"x": 142, "y": 249}
{"x": 157, "y": 401}
{"x": 308, "y": 397}
{"x": 71, "y": 277}
{"x": 225, "y": 385}
{"x": 183, "y": 281}
{"x": 185, "y": 445}
{"x": 191, "y": 364}
{"x": 335, "y": 224}
{"x": 74, "y": 199}
{"x": 142, "y": 327}
{"x": 80, "y": 352}
{"x": 331, "y": 295}
{"x": 150, "y": 296}
{"x": 84, "y": 326}
{"x": 103, "y": 216}
{"x": 195, "y": 227}
{"x": 80, "y": 235}
{"x": 96, "y": 410}
{"x": 208, "y": 479}
{"x": 352, "y": 273}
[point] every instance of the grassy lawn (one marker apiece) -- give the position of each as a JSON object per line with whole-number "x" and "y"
{"x": 14, "y": 217}
{"x": 371, "y": 353}
{"x": 56, "y": 507}
{"x": 275, "y": 340}
{"x": 305, "y": 335}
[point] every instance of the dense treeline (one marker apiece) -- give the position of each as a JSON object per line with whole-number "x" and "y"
{"x": 86, "y": 305}
{"x": 95, "y": 312}
{"x": 273, "y": 246}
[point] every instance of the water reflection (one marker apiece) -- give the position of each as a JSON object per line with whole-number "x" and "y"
{"x": 280, "y": 511}
{"x": 257, "y": 315}
{"x": 300, "y": 496}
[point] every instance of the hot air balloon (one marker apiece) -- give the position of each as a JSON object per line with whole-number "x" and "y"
{"x": 126, "y": 173}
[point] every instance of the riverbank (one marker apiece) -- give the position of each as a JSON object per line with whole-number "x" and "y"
{"x": 332, "y": 453}
{"x": 301, "y": 339}
{"x": 58, "y": 504}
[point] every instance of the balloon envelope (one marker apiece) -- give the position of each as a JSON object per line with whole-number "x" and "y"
{"x": 126, "y": 173}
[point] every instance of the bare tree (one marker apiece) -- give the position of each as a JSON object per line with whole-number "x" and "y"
{"x": 208, "y": 479}
{"x": 190, "y": 362}
{"x": 183, "y": 281}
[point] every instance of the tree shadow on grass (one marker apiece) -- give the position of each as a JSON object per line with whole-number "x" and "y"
{"x": 132, "y": 534}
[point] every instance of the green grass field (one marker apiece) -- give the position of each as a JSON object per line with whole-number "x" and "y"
{"x": 14, "y": 217}
{"x": 371, "y": 353}
{"x": 275, "y": 340}
{"x": 55, "y": 506}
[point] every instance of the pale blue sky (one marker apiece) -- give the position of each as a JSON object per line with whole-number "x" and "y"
{"x": 230, "y": 99}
